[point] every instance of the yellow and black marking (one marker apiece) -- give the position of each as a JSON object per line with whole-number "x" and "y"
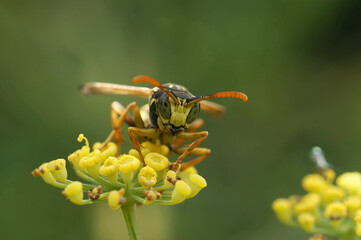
{"x": 168, "y": 115}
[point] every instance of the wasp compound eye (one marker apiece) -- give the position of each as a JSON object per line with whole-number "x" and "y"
{"x": 193, "y": 113}
{"x": 164, "y": 108}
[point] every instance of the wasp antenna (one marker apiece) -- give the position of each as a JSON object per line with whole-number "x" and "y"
{"x": 228, "y": 94}
{"x": 155, "y": 83}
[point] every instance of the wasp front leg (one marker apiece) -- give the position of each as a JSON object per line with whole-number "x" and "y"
{"x": 134, "y": 132}
{"x": 117, "y": 110}
{"x": 198, "y": 138}
{"x": 204, "y": 152}
{"x": 118, "y": 122}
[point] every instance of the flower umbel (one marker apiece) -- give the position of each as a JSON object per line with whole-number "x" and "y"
{"x": 121, "y": 181}
{"x": 328, "y": 209}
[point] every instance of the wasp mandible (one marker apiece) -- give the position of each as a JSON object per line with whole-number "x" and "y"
{"x": 170, "y": 116}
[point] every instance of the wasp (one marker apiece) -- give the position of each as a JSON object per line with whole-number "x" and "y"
{"x": 171, "y": 116}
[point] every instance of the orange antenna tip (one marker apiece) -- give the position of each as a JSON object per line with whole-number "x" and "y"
{"x": 228, "y": 94}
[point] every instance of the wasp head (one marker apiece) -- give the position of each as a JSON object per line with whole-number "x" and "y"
{"x": 173, "y": 108}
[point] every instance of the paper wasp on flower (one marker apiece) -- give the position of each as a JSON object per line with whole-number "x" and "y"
{"x": 170, "y": 116}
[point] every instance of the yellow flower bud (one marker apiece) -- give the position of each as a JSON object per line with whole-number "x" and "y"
{"x": 282, "y": 209}
{"x": 307, "y": 222}
{"x": 351, "y": 181}
{"x": 75, "y": 157}
{"x": 58, "y": 169}
{"x": 180, "y": 192}
{"x": 196, "y": 183}
{"x": 74, "y": 192}
{"x": 127, "y": 165}
{"x": 147, "y": 176}
{"x": 172, "y": 175}
{"x": 353, "y": 203}
{"x": 109, "y": 151}
{"x": 151, "y": 196}
{"x": 110, "y": 169}
{"x": 44, "y": 173}
{"x": 335, "y": 212}
{"x": 135, "y": 153}
{"x": 156, "y": 147}
{"x": 332, "y": 193}
{"x": 184, "y": 175}
{"x": 190, "y": 170}
{"x": 92, "y": 159}
{"x": 313, "y": 183}
{"x": 97, "y": 145}
{"x": 92, "y": 163}
{"x": 115, "y": 199}
{"x": 308, "y": 203}
{"x": 156, "y": 161}
{"x": 329, "y": 174}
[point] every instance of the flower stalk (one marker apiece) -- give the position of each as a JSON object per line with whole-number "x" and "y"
{"x": 130, "y": 221}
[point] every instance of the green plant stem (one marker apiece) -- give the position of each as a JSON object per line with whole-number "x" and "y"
{"x": 129, "y": 217}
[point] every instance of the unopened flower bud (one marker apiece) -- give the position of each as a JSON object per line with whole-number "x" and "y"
{"x": 74, "y": 192}
{"x": 282, "y": 209}
{"x": 58, "y": 169}
{"x": 180, "y": 192}
{"x": 115, "y": 199}
{"x": 44, "y": 173}
{"x": 147, "y": 176}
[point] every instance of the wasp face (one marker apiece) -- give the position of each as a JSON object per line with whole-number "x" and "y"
{"x": 174, "y": 116}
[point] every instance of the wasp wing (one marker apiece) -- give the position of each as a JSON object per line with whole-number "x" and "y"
{"x": 114, "y": 89}
{"x": 210, "y": 108}
{"x": 213, "y": 109}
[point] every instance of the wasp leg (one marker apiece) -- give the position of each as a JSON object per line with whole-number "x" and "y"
{"x": 195, "y": 125}
{"x": 137, "y": 119}
{"x": 134, "y": 132}
{"x": 192, "y": 128}
{"x": 199, "y": 137}
{"x": 117, "y": 111}
{"x": 196, "y": 151}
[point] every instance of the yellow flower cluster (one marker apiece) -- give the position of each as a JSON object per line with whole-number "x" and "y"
{"x": 119, "y": 179}
{"x": 329, "y": 207}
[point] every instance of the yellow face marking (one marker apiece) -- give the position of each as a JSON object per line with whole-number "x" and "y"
{"x": 179, "y": 113}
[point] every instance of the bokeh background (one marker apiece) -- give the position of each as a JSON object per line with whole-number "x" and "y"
{"x": 298, "y": 61}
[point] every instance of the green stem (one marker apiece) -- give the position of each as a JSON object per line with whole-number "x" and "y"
{"x": 129, "y": 217}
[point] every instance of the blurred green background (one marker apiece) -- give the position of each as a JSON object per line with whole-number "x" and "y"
{"x": 298, "y": 61}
